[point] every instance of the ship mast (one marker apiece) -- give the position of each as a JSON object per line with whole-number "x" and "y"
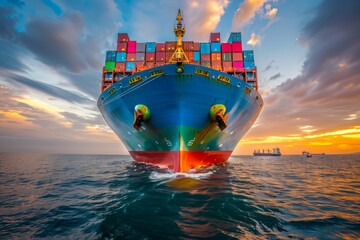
{"x": 179, "y": 55}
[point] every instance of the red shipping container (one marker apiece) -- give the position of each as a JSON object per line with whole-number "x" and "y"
{"x": 160, "y": 63}
{"x": 131, "y": 43}
{"x": 139, "y": 64}
{"x": 170, "y": 46}
{"x": 190, "y": 56}
{"x": 191, "y": 46}
{"x": 196, "y": 46}
{"x": 237, "y": 56}
{"x": 216, "y": 65}
{"x": 150, "y": 64}
{"x": 121, "y": 47}
{"x": 131, "y": 49}
{"x": 226, "y": 47}
{"x": 150, "y": 56}
{"x": 130, "y": 57}
{"x": 227, "y": 66}
{"x": 168, "y": 56}
{"x": 215, "y": 57}
{"x": 196, "y": 63}
{"x": 215, "y": 37}
{"x": 123, "y": 37}
{"x": 236, "y": 47}
{"x": 205, "y": 57}
{"x": 188, "y": 46}
{"x": 160, "y": 56}
{"x": 238, "y": 66}
{"x": 160, "y": 47}
{"x": 120, "y": 67}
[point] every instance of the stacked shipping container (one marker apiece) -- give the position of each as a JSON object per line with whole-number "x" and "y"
{"x": 229, "y": 57}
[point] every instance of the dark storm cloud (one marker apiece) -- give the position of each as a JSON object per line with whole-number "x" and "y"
{"x": 274, "y": 77}
{"x": 52, "y": 90}
{"x": 328, "y": 89}
{"x": 54, "y": 42}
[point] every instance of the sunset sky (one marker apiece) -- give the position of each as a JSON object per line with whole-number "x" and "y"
{"x": 52, "y": 53}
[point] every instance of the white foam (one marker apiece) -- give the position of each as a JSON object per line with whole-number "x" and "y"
{"x": 171, "y": 175}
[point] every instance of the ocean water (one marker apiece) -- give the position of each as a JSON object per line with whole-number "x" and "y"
{"x": 112, "y": 197}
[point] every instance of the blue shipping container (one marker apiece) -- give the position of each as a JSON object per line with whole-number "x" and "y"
{"x": 150, "y": 46}
{"x": 249, "y": 65}
{"x": 110, "y": 56}
{"x": 130, "y": 66}
{"x": 215, "y": 47}
{"x": 205, "y": 48}
{"x": 121, "y": 57}
{"x": 248, "y": 55}
{"x": 108, "y": 76}
{"x": 234, "y": 37}
{"x": 196, "y": 56}
{"x": 250, "y": 75}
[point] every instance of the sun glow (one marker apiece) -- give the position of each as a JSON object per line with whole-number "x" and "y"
{"x": 342, "y": 140}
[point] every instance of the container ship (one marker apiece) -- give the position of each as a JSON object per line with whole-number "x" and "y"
{"x": 180, "y": 104}
{"x": 275, "y": 152}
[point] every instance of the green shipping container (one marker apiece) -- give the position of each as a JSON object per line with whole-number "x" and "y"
{"x": 226, "y": 57}
{"x": 109, "y": 66}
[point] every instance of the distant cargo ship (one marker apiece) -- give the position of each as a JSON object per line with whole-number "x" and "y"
{"x": 183, "y": 104}
{"x": 275, "y": 152}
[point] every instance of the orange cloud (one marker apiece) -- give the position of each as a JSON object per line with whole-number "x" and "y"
{"x": 245, "y": 13}
{"x": 206, "y": 14}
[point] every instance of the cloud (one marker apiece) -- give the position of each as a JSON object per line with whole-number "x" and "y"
{"x": 17, "y": 3}
{"x": 9, "y": 58}
{"x": 269, "y": 66}
{"x": 328, "y": 88}
{"x": 206, "y": 15}
{"x": 52, "y": 90}
{"x": 270, "y": 12}
{"x": 254, "y": 39}
{"x": 245, "y": 12}
{"x": 32, "y": 125}
{"x": 274, "y": 77}
{"x": 7, "y": 23}
{"x": 54, "y": 42}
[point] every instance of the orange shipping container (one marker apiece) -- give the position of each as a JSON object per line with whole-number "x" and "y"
{"x": 216, "y": 65}
{"x": 215, "y": 57}
{"x": 227, "y": 66}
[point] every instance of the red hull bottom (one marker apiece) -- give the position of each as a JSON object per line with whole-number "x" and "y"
{"x": 181, "y": 161}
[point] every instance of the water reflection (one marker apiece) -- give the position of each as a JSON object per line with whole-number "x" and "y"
{"x": 209, "y": 204}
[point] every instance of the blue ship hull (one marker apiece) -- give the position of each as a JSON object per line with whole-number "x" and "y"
{"x": 179, "y": 134}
